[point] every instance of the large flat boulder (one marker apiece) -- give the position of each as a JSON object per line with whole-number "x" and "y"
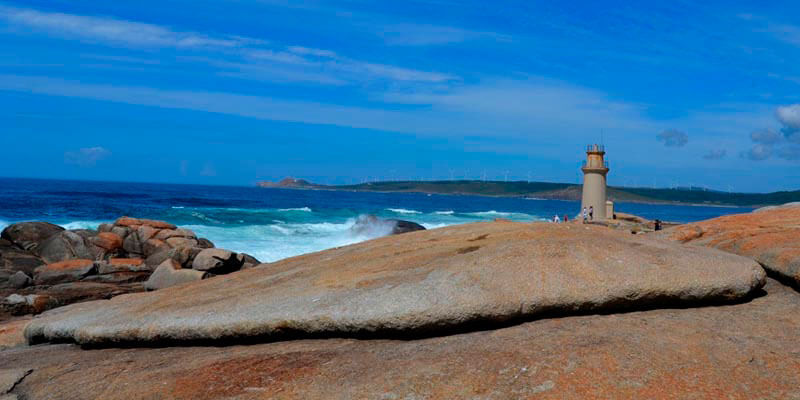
{"x": 769, "y": 235}
{"x": 424, "y": 282}
{"x": 742, "y": 351}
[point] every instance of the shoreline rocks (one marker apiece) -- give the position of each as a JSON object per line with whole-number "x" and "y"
{"x": 36, "y": 258}
{"x": 430, "y": 282}
{"x": 768, "y": 235}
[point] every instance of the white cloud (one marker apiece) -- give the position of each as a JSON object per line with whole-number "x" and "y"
{"x": 789, "y": 117}
{"x": 521, "y": 105}
{"x": 503, "y": 109}
{"x": 87, "y": 156}
{"x": 427, "y": 35}
{"x": 312, "y": 52}
{"x": 263, "y": 62}
{"x": 111, "y": 30}
{"x": 277, "y": 56}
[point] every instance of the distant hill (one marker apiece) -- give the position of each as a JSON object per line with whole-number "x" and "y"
{"x": 555, "y": 191}
{"x": 288, "y": 183}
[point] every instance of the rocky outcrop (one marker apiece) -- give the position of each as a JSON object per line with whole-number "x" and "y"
{"x": 38, "y": 259}
{"x": 734, "y": 351}
{"x": 218, "y": 261}
{"x": 64, "y": 271}
{"x": 13, "y": 258}
{"x": 29, "y": 235}
{"x": 401, "y": 226}
{"x": 372, "y": 226}
{"x": 769, "y": 236}
{"x": 170, "y": 273}
{"x": 434, "y": 281}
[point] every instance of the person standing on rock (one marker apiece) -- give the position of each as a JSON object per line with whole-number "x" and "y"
{"x": 591, "y": 213}
{"x": 566, "y": 218}
{"x": 585, "y": 215}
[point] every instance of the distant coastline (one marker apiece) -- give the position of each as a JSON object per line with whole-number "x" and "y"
{"x": 553, "y": 191}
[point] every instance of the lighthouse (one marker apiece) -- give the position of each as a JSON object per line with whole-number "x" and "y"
{"x": 595, "y": 169}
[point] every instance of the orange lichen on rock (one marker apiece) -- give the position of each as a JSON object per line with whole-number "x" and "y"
{"x": 769, "y": 236}
{"x": 67, "y": 265}
{"x": 107, "y": 241}
{"x": 138, "y": 222}
{"x": 126, "y": 261}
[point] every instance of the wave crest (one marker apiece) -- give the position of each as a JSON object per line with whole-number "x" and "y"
{"x": 304, "y": 209}
{"x": 403, "y": 211}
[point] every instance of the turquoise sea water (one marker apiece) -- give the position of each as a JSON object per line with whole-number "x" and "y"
{"x": 276, "y": 223}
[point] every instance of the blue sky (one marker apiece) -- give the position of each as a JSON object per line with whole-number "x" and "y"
{"x": 235, "y": 91}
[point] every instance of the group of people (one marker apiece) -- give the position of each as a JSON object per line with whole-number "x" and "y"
{"x": 588, "y": 215}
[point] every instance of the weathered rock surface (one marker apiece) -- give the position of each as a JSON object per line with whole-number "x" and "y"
{"x": 372, "y": 226}
{"x": 428, "y": 281}
{"x": 12, "y": 258}
{"x": 770, "y": 236}
{"x": 740, "y": 351}
{"x": 170, "y": 273}
{"x": 19, "y": 280}
{"x": 64, "y": 271}
{"x": 123, "y": 255}
{"x": 10, "y": 377}
{"x": 108, "y": 241}
{"x": 62, "y": 246}
{"x": 218, "y": 261}
{"x": 401, "y": 226}
{"x": 29, "y": 235}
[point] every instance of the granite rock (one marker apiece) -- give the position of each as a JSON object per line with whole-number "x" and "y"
{"x": 429, "y": 282}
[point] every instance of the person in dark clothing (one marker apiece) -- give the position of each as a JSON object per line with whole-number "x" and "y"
{"x": 591, "y": 213}
{"x": 657, "y": 224}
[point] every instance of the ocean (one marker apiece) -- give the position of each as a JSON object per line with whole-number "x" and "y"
{"x": 272, "y": 224}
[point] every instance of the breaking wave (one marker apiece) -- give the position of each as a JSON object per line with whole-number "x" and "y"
{"x": 403, "y": 211}
{"x": 305, "y": 209}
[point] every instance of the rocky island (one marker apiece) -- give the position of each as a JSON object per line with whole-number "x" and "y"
{"x": 490, "y": 310}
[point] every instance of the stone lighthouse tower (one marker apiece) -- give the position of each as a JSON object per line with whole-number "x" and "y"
{"x": 594, "y": 170}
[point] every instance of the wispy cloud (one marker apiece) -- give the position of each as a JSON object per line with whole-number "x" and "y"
{"x": 765, "y": 136}
{"x": 785, "y": 32}
{"x": 505, "y": 110}
{"x": 111, "y": 30}
{"x": 758, "y": 152}
{"x": 427, "y": 35}
{"x": 250, "y": 58}
{"x": 87, "y": 156}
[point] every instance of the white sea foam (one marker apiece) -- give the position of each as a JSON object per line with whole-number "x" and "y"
{"x": 434, "y": 225}
{"x": 305, "y": 209}
{"x": 403, "y": 211}
{"x": 274, "y": 242}
{"x": 449, "y": 212}
{"x": 491, "y": 213}
{"x": 81, "y": 224}
{"x": 3, "y": 224}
